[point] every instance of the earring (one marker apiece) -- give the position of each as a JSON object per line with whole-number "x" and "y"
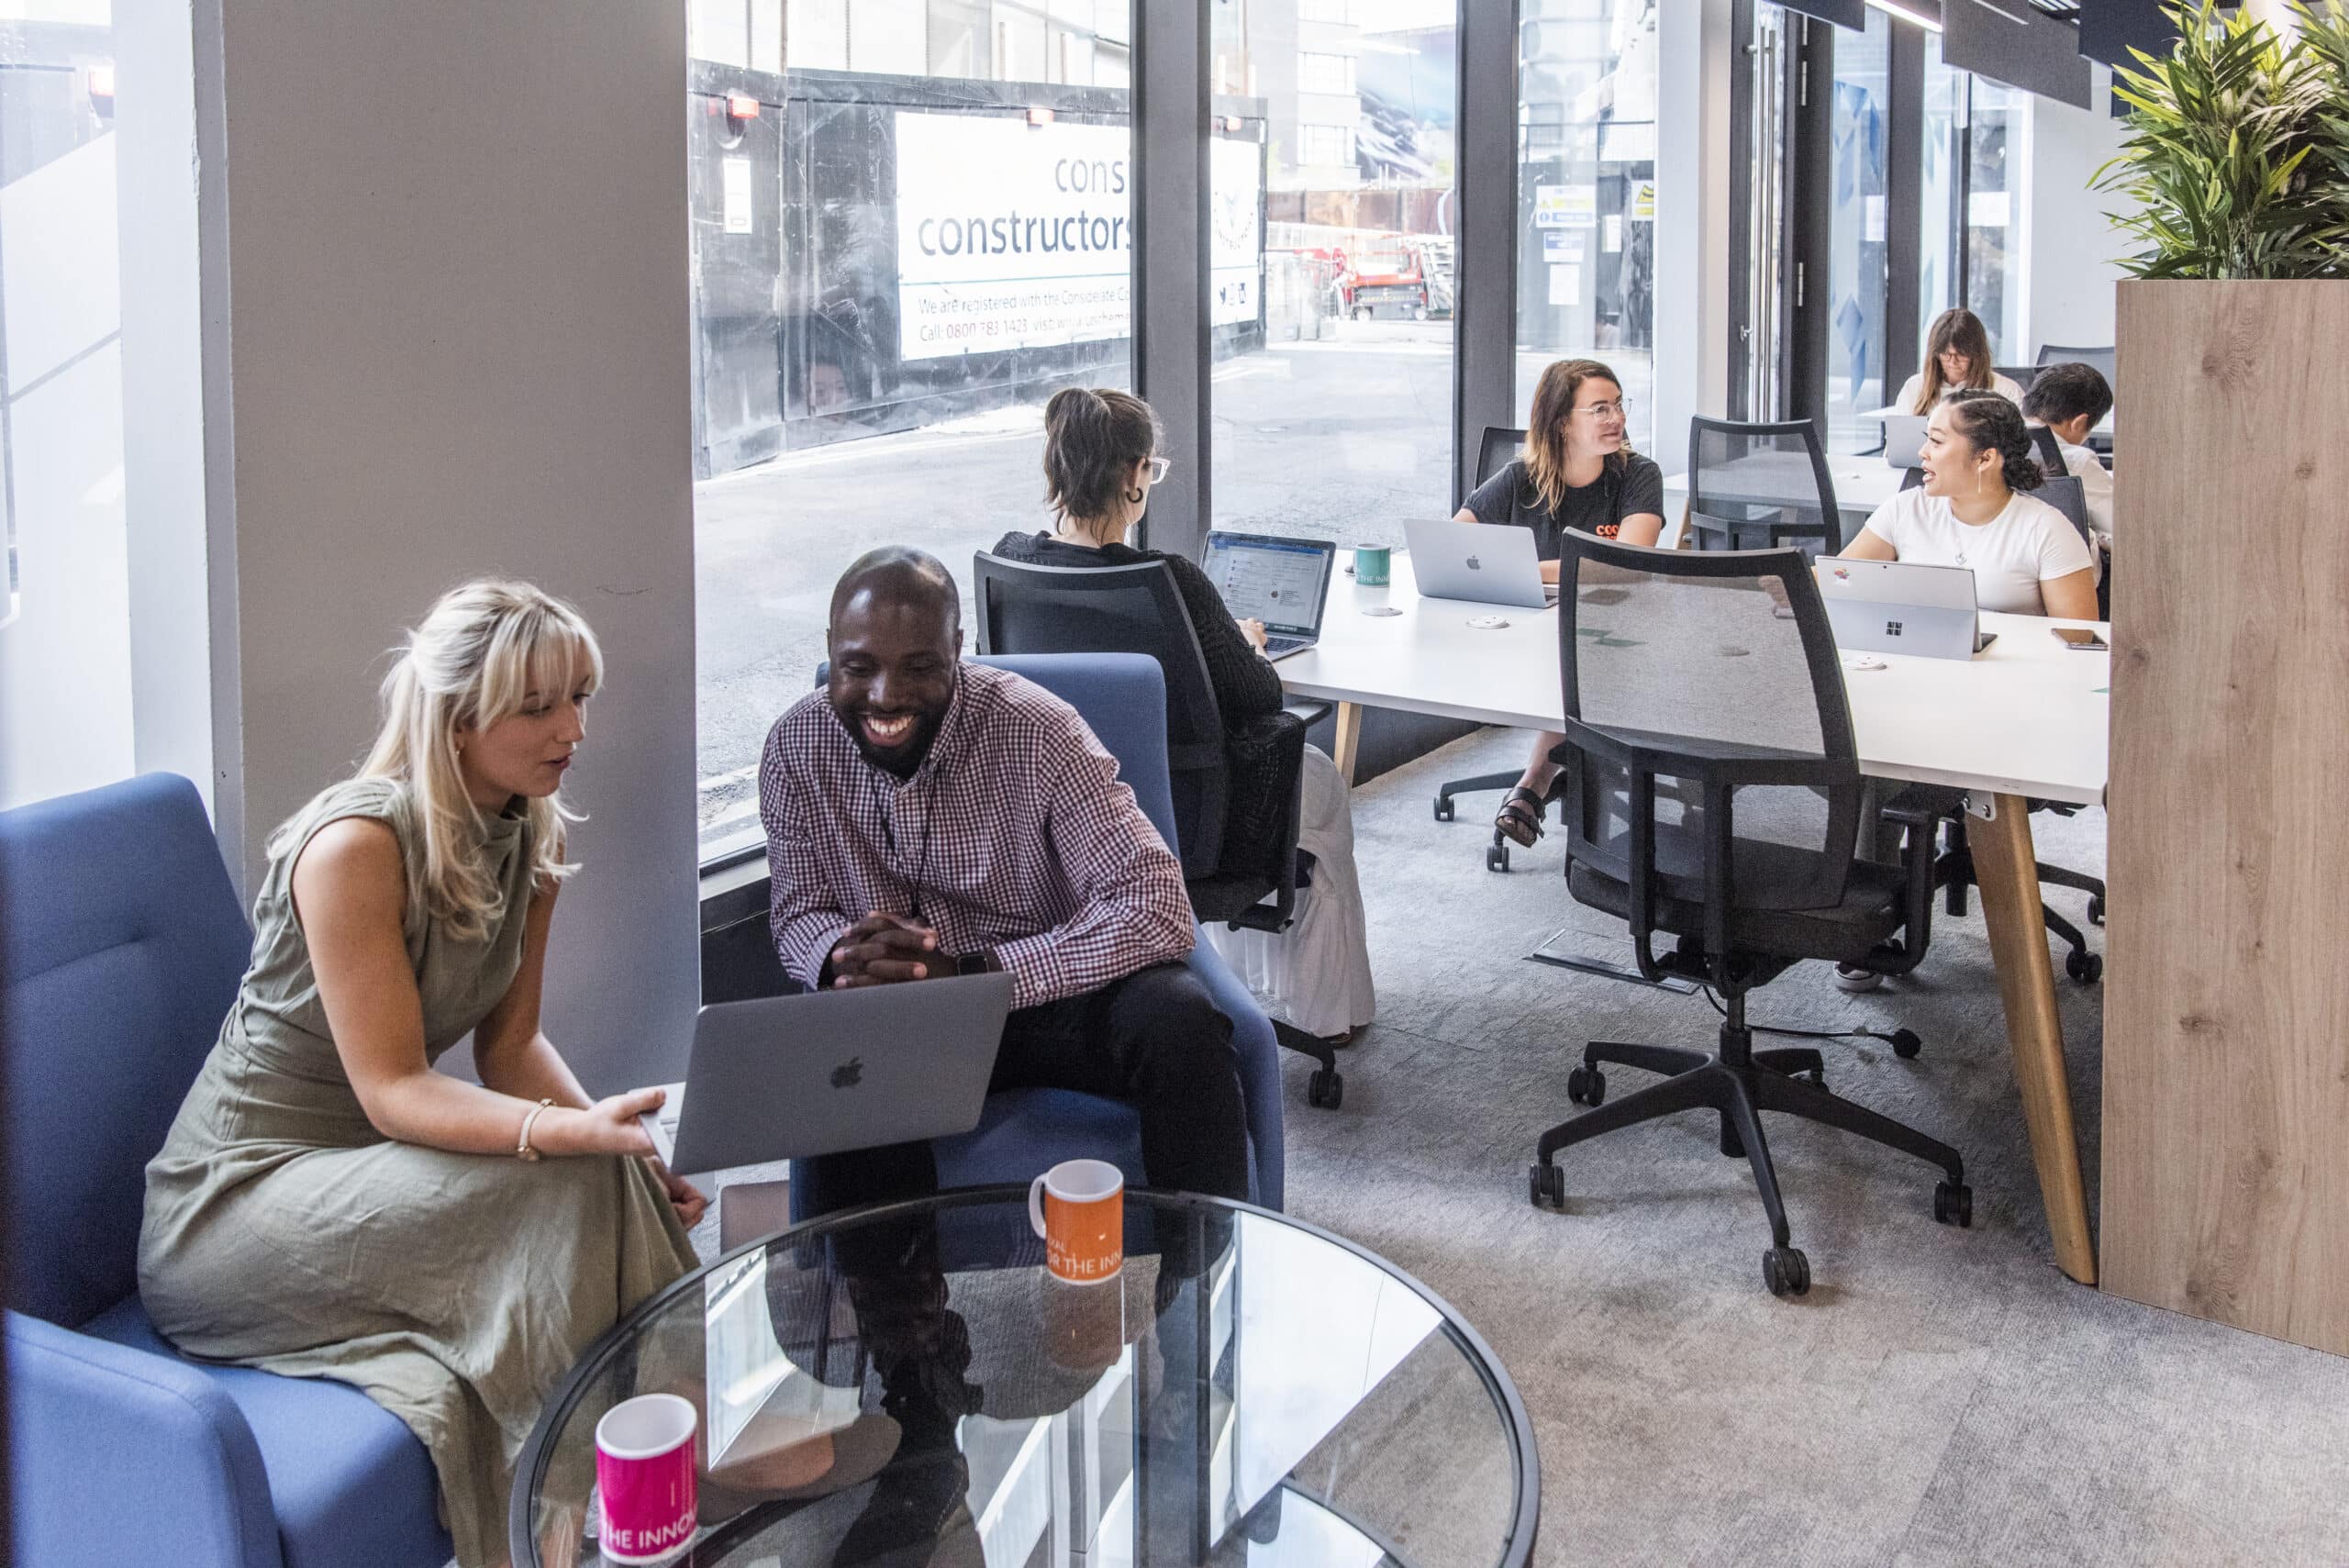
{"x": 1135, "y": 493}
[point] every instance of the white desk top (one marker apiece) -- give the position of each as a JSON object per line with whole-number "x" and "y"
{"x": 1861, "y": 483}
{"x": 2101, "y": 427}
{"x": 2026, "y": 716}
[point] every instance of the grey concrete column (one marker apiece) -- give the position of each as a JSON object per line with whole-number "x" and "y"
{"x": 1170, "y": 224}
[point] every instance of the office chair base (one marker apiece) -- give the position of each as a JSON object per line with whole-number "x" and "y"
{"x": 1737, "y": 1082}
{"x": 1326, "y": 1089}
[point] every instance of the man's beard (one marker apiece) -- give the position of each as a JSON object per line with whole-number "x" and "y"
{"x": 902, "y": 761}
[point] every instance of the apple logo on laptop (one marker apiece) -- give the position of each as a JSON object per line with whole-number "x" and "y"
{"x": 848, "y": 1073}
{"x": 1474, "y": 565}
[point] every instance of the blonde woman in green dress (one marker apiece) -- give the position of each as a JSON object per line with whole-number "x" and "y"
{"x": 327, "y": 1204}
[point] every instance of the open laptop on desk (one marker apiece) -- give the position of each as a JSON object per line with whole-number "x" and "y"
{"x": 1901, "y": 607}
{"x": 1285, "y": 582}
{"x": 1904, "y": 439}
{"x": 1484, "y": 564}
{"x": 786, "y": 1077}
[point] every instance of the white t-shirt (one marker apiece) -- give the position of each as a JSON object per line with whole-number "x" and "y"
{"x": 1906, "y": 402}
{"x": 2096, "y": 485}
{"x": 2029, "y": 543}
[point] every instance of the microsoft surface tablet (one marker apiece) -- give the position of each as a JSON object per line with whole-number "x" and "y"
{"x": 1901, "y": 607}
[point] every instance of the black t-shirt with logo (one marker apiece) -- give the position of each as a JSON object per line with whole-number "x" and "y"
{"x": 1622, "y": 490}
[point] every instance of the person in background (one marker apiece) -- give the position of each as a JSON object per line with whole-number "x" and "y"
{"x": 1957, "y": 358}
{"x": 1100, "y": 459}
{"x": 1972, "y": 512}
{"x": 2071, "y": 400}
{"x": 327, "y": 1205}
{"x": 1577, "y": 471}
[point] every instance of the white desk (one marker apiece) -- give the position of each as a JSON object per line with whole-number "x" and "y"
{"x": 2026, "y": 717}
{"x": 1862, "y": 484}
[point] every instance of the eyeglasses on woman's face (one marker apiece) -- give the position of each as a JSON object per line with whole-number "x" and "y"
{"x": 1158, "y": 467}
{"x": 1619, "y": 408}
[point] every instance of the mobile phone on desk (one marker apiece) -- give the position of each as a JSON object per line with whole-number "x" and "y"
{"x": 2080, "y": 636}
{"x": 663, "y": 1144}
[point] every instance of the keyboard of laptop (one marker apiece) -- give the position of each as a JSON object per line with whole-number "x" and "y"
{"x": 1277, "y": 645}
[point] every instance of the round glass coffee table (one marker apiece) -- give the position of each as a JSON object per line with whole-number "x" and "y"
{"x": 907, "y": 1385}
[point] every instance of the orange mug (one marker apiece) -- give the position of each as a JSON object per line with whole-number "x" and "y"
{"x": 1079, "y": 1208}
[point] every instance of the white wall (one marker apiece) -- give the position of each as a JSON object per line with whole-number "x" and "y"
{"x": 457, "y": 344}
{"x": 1692, "y": 221}
{"x": 2068, "y": 293}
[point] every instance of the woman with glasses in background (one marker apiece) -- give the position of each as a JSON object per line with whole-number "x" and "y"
{"x": 1957, "y": 358}
{"x": 1577, "y": 471}
{"x": 1100, "y": 460}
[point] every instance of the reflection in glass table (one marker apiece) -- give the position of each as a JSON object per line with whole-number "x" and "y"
{"x": 907, "y": 1385}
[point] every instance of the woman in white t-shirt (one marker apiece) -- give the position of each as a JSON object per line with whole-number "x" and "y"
{"x": 2026, "y": 557}
{"x": 1957, "y": 358}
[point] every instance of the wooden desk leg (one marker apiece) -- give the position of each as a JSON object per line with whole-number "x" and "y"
{"x": 2003, "y": 865}
{"x": 1349, "y": 740}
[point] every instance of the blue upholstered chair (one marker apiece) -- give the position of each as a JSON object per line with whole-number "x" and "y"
{"x": 1123, "y": 697}
{"x": 121, "y": 946}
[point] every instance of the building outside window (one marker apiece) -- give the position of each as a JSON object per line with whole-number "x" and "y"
{"x": 1586, "y": 196}
{"x": 1945, "y": 148}
{"x": 66, "y": 678}
{"x": 1857, "y": 255}
{"x": 1333, "y": 279}
{"x": 893, "y": 270}
{"x": 1325, "y": 73}
{"x": 1997, "y": 149}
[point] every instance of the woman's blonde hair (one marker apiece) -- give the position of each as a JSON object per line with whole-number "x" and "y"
{"x": 1545, "y": 444}
{"x": 479, "y": 654}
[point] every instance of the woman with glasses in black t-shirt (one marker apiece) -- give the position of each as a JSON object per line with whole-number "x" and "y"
{"x": 1577, "y": 471}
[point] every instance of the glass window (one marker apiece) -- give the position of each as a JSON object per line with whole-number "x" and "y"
{"x": 1995, "y": 152}
{"x": 1332, "y": 270}
{"x": 891, "y": 272}
{"x": 1325, "y": 73}
{"x": 1586, "y": 196}
{"x": 65, "y": 720}
{"x": 1325, "y": 11}
{"x": 1856, "y": 251}
{"x": 1944, "y": 147}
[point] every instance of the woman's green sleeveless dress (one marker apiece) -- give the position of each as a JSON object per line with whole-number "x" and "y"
{"x": 282, "y": 1231}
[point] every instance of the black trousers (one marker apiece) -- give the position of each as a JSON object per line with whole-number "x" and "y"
{"x": 1154, "y": 1039}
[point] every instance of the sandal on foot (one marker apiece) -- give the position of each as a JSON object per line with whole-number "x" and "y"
{"x": 1519, "y": 818}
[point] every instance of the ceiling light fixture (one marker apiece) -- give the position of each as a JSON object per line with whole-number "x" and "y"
{"x": 1916, "y": 18}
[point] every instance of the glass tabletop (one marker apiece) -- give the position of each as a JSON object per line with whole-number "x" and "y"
{"x": 908, "y": 1384}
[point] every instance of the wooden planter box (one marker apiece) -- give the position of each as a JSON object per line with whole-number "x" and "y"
{"x": 2226, "y": 1043}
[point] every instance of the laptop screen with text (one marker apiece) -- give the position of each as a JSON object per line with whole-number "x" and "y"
{"x": 1281, "y": 582}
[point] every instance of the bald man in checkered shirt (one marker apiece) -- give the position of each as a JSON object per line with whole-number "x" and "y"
{"x": 928, "y": 818}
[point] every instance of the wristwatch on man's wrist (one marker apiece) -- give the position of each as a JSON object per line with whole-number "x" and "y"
{"x": 974, "y": 964}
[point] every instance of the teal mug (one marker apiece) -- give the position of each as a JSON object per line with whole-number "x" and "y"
{"x": 1372, "y": 564}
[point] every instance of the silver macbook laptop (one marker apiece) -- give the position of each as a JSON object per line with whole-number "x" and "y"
{"x": 1901, "y": 607}
{"x": 786, "y": 1077}
{"x": 1284, "y": 583}
{"x": 1904, "y": 439}
{"x": 1484, "y": 564}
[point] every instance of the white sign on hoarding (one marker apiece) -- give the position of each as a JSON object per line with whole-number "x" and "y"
{"x": 1011, "y": 236}
{"x": 1564, "y": 206}
{"x": 734, "y": 176}
{"x": 1235, "y": 260}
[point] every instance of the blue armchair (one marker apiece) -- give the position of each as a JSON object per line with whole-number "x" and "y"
{"x": 1123, "y": 697}
{"x": 122, "y": 947}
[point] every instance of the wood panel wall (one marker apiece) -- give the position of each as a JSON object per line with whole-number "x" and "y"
{"x": 2226, "y": 1047}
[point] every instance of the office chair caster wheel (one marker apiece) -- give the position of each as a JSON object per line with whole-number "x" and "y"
{"x": 1545, "y": 1186}
{"x": 1587, "y": 1086}
{"x": 1907, "y": 1045}
{"x": 1787, "y": 1272}
{"x": 1953, "y": 1205}
{"x": 1497, "y": 857}
{"x": 1815, "y": 1076}
{"x": 2095, "y": 908}
{"x": 1443, "y": 808}
{"x": 2084, "y": 966}
{"x": 1326, "y": 1090}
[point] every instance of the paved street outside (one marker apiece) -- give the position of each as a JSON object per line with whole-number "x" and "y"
{"x": 1346, "y": 439}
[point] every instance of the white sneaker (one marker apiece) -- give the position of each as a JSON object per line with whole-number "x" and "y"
{"x": 1856, "y": 980}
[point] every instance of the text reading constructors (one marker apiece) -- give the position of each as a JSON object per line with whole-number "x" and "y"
{"x": 1013, "y": 233}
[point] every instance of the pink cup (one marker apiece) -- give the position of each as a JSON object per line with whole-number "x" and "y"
{"x": 644, "y": 1472}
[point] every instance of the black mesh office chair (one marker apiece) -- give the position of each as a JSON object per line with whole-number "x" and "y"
{"x": 2050, "y": 450}
{"x": 1715, "y": 797}
{"x": 2062, "y": 354}
{"x": 1754, "y": 485}
{"x": 1500, "y": 444}
{"x": 2021, "y": 376}
{"x": 1028, "y": 609}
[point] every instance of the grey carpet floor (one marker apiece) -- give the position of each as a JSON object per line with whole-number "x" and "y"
{"x": 1941, "y": 1397}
